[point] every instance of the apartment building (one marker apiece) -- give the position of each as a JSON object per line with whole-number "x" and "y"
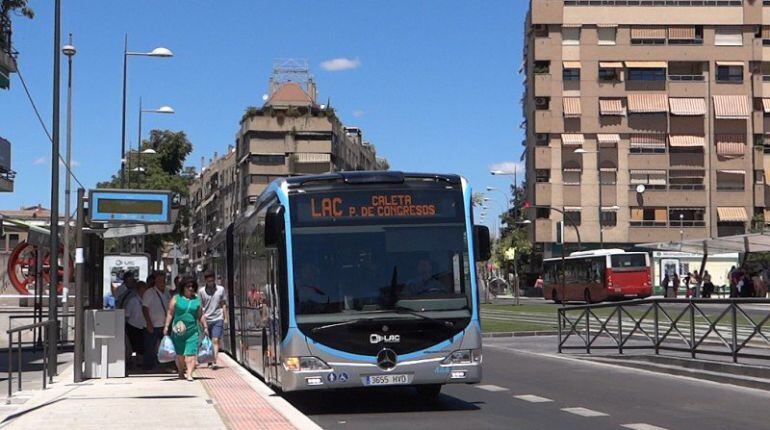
{"x": 646, "y": 120}
{"x": 293, "y": 134}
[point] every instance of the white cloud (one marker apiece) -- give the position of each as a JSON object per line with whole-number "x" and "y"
{"x": 358, "y": 113}
{"x": 340, "y": 64}
{"x": 508, "y": 167}
{"x": 75, "y": 163}
{"x": 39, "y": 161}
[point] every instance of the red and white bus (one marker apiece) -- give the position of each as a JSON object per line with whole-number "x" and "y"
{"x": 595, "y": 276}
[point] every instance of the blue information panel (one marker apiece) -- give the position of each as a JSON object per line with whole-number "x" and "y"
{"x": 130, "y": 206}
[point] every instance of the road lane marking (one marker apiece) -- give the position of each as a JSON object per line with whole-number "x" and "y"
{"x": 585, "y": 412}
{"x": 533, "y": 398}
{"x": 642, "y": 426}
{"x": 491, "y": 388}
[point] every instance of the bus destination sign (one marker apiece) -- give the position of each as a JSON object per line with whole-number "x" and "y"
{"x": 407, "y": 204}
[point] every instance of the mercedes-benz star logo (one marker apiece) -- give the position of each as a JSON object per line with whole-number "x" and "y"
{"x": 386, "y": 359}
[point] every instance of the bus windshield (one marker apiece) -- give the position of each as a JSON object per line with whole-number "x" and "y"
{"x": 381, "y": 265}
{"x": 629, "y": 261}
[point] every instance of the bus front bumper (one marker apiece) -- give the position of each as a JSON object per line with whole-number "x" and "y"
{"x": 357, "y": 375}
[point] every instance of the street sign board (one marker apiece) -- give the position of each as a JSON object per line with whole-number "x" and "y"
{"x": 130, "y": 206}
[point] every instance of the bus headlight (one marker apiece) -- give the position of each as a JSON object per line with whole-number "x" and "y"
{"x": 463, "y": 356}
{"x": 304, "y": 364}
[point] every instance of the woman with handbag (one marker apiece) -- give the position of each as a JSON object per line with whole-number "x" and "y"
{"x": 184, "y": 315}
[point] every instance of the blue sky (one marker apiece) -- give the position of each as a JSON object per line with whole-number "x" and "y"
{"x": 436, "y": 87}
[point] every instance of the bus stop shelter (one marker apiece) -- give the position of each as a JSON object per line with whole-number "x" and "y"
{"x": 741, "y": 243}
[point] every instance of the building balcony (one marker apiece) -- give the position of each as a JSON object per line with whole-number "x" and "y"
{"x": 572, "y": 194}
{"x": 760, "y": 195}
{"x": 546, "y": 123}
{"x": 731, "y": 197}
{"x": 542, "y": 157}
{"x": 759, "y": 157}
{"x": 687, "y": 86}
{"x": 663, "y": 196}
{"x": 544, "y": 230}
{"x": 664, "y": 233}
{"x": 759, "y": 122}
{"x": 543, "y": 194}
{"x": 545, "y": 48}
{"x": 641, "y": 161}
{"x": 543, "y": 84}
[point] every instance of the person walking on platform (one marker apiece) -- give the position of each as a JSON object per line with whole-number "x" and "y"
{"x": 675, "y": 285}
{"x": 155, "y": 306}
{"x": 666, "y": 284}
{"x": 214, "y": 302}
{"x": 184, "y": 314}
{"x": 135, "y": 324}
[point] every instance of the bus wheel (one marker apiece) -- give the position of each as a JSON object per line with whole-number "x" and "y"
{"x": 554, "y": 296}
{"x": 428, "y": 392}
{"x": 587, "y": 296}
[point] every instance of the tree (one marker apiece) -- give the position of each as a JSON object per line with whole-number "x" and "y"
{"x": 514, "y": 234}
{"x": 163, "y": 170}
{"x": 20, "y": 7}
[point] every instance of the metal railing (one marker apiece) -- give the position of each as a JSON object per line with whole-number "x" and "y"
{"x": 723, "y": 327}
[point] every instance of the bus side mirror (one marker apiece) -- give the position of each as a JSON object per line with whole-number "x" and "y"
{"x": 483, "y": 247}
{"x": 274, "y": 225}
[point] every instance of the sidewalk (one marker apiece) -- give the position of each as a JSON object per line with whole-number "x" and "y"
{"x": 226, "y": 398}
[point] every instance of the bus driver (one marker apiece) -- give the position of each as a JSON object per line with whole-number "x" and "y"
{"x": 426, "y": 283}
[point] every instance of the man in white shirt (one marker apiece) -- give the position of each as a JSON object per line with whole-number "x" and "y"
{"x": 135, "y": 324}
{"x": 154, "y": 307}
{"x": 213, "y": 301}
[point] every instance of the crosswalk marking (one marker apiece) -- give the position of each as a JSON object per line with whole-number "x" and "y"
{"x": 491, "y": 388}
{"x": 533, "y": 398}
{"x": 642, "y": 426}
{"x": 584, "y": 412}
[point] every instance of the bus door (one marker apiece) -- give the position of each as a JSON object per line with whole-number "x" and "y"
{"x": 274, "y": 320}
{"x": 668, "y": 266}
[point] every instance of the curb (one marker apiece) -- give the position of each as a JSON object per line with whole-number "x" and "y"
{"x": 519, "y": 334}
{"x": 40, "y": 398}
{"x": 292, "y": 414}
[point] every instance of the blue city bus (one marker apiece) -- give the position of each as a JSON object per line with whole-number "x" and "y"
{"x": 356, "y": 279}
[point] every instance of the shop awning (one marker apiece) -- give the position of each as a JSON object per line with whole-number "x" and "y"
{"x": 572, "y": 139}
{"x": 731, "y": 107}
{"x": 766, "y": 105}
{"x": 681, "y": 33}
{"x": 608, "y": 139}
{"x": 650, "y": 32}
{"x": 687, "y": 106}
{"x": 646, "y": 64}
{"x": 732, "y": 214}
{"x": 571, "y": 106}
{"x": 647, "y": 141}
{"x": 647, "y": 103}
{"x": 686, "y": 141}
{"x": 610, "y": 64}
{"x": 611, "y": 107}
{"x": 731, "y": 145}
{"x": 571, "y": 64}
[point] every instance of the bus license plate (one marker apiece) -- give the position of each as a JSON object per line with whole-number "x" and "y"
{"x": 386, "y": 380}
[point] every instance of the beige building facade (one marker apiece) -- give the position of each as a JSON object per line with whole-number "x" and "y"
{"x": 663, "y": 104}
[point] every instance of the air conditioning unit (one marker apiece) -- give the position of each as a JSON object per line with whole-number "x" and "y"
{"x": 541, "y": 100}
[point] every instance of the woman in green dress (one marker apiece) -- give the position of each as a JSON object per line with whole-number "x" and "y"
{"x": 184, "y": 315}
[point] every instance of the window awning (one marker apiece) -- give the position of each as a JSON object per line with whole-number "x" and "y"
{"x": 766, "y": 105}
{"x": 686, "y": 141}
{"x": 571, "y": 106}
{"x": 572, "y": 169}
{"x": 606, "y": 25}
{"x": 646, "y": 172}
{"x": 611, "y": 208}
{"x": 646, "y": 64}
{"x": 611, "y": 107}
{"x": 572, "y": 208}
{"x": 608, "y": 169}
{"x": 732, "y": 214}
{"x": 731, "y": 107}
{"x": 607, "y": 139}
{"x": 572, "y": 139}
{"x": 687, "y": 106}
{"x": 649, "y": 32}
{"x": 610, "y": 64}
{"x": 647, "y": 141}
{"x": 571, "y": 64}
{"x": 647, "y": 103}
{"x": 733, "y": 172}
{"x": 731, "y": 63}
{"x": 304, "y": 157}
{"x": 690, "y": 174}
{"x": 731, "y": 145}
{"x": 681, "y": 33}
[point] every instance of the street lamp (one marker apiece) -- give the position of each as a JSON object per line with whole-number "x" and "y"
{"x": 599, "y": 182}
{"x": 68, "y": 50}
{"x": 159, "y": 52}
{"x": 166, "y": 110}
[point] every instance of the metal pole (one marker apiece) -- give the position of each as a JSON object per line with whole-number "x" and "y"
{"x": 79, "y": 278}
{"x": 139, "y": 146}
{"x": 39, "y": 293}
{"x": 601, "y": 201}
{"x": 123, "y": 127}
{"x": 54, "y": 260}
{"x": 67, "y": 194}
{"x": 18, "y": 342}
{"x": 10, "y": 367}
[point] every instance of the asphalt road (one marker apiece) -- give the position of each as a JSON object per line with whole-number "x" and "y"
{"x": 603, "y": 397}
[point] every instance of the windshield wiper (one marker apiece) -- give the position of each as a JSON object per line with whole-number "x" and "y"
{"x": 341, "y": 324}
{"x": 407, "y": 311}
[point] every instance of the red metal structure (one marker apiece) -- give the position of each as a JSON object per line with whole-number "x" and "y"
{"x": 22, "y": 264}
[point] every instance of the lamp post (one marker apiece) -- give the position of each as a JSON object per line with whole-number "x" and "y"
{"x": 54, "y": 244}
{"x": 157, "y": 52}
{"x": 167, "y": 110}
{"x": 599, "y": 181}
{"x": 69, "y": 51}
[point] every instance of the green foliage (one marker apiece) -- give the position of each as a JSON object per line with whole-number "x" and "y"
{"x": 162, "y": 171}
{"x": 514, "y": 234}
{"x": 251, "y": 111}
{"x": 477, "y": 199}
{"x": 19, "y": 7}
